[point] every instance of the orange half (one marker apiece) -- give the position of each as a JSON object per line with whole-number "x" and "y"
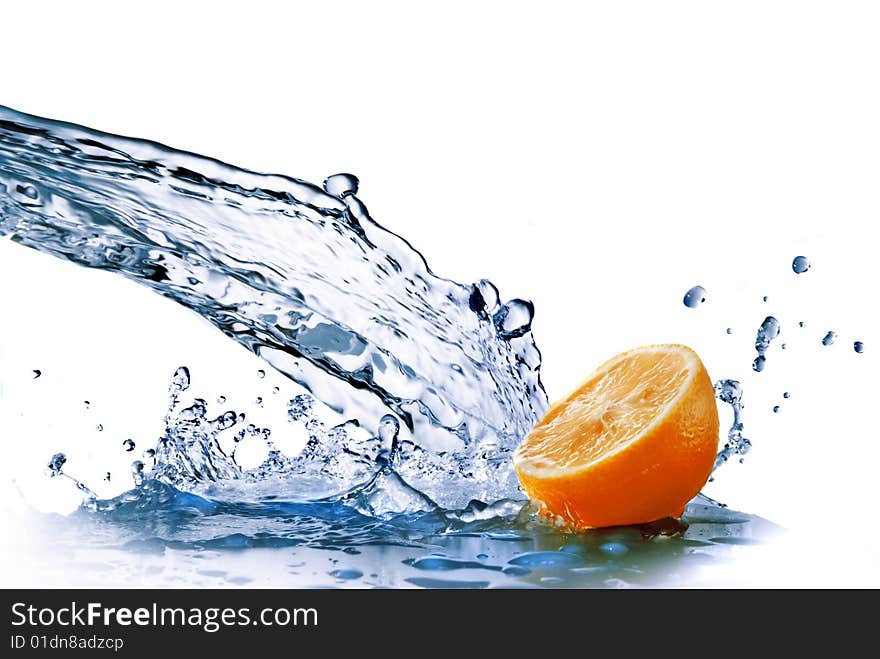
{"x": 634, "y": 443}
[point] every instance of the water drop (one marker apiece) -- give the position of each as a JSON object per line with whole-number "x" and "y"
{"x": 389, "y": 427}
{"x": 765, "y": 298}
{"x": 259, "y": 401}
{"x": 340, "y": 185}
{"x": 27, "y": 190}
{"x": 786, "y": 395}
{"x": 859, "y": 347}
{"x": 484, "y": 298}
{"x": 87, "y": 404}
{"x": 37, "y": 373}
{"x": 729, "y": 330}
{"x": 695, "y": 297}
{"x": 829, "y": 338}
{"x": 107, "y": 477}
{"x": 776, "y": 409}
{"x": 128, "y": 445}
{"x": 56, "y": 463}
{"x": 221, "y": 400}
{"x": 261, "y": 374}
{"x": 99, "y": 427}
{"x": 730, "y": 392}
{"x": 802, "y": 324}
{"x": 800, "y": 264}
{"x": 225, "y": 420}
{"x": 514, "y": 318}
{"x": 784, "y": 346}
{"x": 150, "y": 454}
{"x": 180, "y": 381}
{"x": 482, "y": 557}
{"x": 276, "y": 390}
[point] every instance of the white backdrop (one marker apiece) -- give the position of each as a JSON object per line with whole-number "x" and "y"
{"x": 597, "y": 158}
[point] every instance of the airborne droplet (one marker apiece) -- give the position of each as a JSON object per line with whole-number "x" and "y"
{"x": 800, "y": 264}
{"x": 829, "y": 338}
{"x": 695, "y": 297}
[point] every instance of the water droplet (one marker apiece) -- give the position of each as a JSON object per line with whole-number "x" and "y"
{"x": 786, "y": 395}
{"x": 276, "y": 390}
{"x": 482, "y": 557}
{"x": 56, "y": 463}
{"x": 800, "y": 264}
{"x": 261, "y": 374}
{"x": 784, "y": 346}
{"x": 128, "y": 445}
{"x": 484, "y": 298}
{"x": 225, "y": 420}
{"x": 221, "y": 400}
{"x": 87, "y": 404}
{"x": 150, "y": 453}
{"x": 340, "y": 185}
{"x": 99, "y": 427}
{"x": 695, "y": 297}
{"x": 776, "y": 409}
{"x": 730, "y": 392}
{"x": 27, "y": 190}
{"x": 259, "y": 401}
{"x": 195, "y": 412}
{"x": 768, "y": 331}
{"x": 765, "y": 298}
{"x": 802, "y": 324}
{"x": 37, "y": 373}
{"x": 107, "y": 477}
{"x": 729, "y": 330}
{"x": 859, "y": 347}
{"x": 829, "y": 338}
{"x": 180, "y": 381}
{"x": 514, "y": 318}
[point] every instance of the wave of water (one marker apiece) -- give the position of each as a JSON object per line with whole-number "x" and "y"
{"x": 304, "y": 277}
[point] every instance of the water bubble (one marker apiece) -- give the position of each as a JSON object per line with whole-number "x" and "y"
{"x": 768, "y": 331}
{"x": 829, "y": 338}
{"x": 180, "y": 381}
{"x": 340, "y": 185}
{"x": 37, "y": 373}
{"x": 786, "y": 395}
{"x": 56, "y": 463}
{"x": 800, "y": 264}
{"x": 261, "y": 374}
{"x": 99, "y": 427}
{"x": 859, "y": 347}
{"x": 695, "y": 297}
{"x": 128, "y": 445}
{"x": 776, "y": 409}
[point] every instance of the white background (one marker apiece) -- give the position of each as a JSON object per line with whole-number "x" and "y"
{"x": 597, "y": 158}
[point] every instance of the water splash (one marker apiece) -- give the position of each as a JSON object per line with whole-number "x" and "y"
{"x": 302, "y": 276}
{"x": 768, "y": 331}
{"x": 730, "y": 392}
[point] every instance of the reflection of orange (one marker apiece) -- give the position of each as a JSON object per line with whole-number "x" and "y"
{"x": 634, "y": 443}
